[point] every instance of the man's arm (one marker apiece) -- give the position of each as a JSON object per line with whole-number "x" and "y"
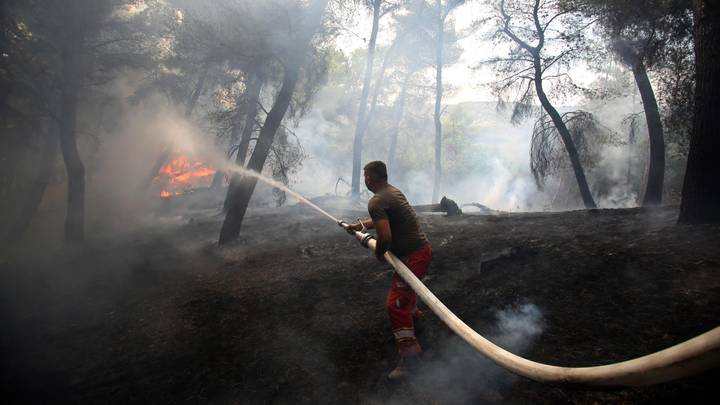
{"x": 369, "y": 224}
{"x": 384, "y": 238}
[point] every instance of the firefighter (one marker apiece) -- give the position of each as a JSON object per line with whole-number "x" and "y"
{"x": 398, "y": 231}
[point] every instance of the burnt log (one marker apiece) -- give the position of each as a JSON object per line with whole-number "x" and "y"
{"x": 446, "y": 205}
{"x": 483, "y": 208}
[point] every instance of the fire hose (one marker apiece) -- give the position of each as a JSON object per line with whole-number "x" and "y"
{"x": 684, "y": 359}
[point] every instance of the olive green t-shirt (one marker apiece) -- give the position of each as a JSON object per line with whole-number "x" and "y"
{"x": 390, "y": 203}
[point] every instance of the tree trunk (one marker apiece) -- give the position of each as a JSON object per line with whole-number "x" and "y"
{"x": 656, "y": 172}
{"x": 31, "y": 201}
{"x": 564, "y": 135}
{"x": 701, "y": 189}
{"x": 249, "y": 113}
{"x": 75, "y": 217}
{"x": 189, "y": 107}
{"x": 240, "y": 196}
{"x": 217, "y": 179}
{"x": 379, "y": 84}
{"x": 397, "y": 119}
{"x": 438, "y": 102}
{"x": 361, "y": 122}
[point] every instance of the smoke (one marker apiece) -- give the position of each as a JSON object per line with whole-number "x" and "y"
{"x": 617, "y": 184}
{"x": 617, "y": 177}
{"x": 455, "y": 373}
{"x": 119, "y": 171}
{"x": 459, "y": 374}
{"x": 324, "y": 163}
{"x": 500, "y": 187}
{"x": 485, "y": 158}
{"x": 490, "y": 164}
{"x": 518, "y": 326}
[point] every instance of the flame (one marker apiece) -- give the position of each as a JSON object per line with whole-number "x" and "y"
{"x": 182, "y": 175}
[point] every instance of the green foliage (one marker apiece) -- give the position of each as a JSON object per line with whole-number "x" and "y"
{"x": 461, "y": 148}
{"x": 556, "y": 41}
{"x": 658, "y": 34}
{"x": 285, "y": 160}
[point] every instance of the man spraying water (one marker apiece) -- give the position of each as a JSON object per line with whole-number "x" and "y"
{"x": 398, "y": 231}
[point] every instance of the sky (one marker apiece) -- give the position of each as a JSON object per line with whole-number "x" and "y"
{"x": 467, "y": 83}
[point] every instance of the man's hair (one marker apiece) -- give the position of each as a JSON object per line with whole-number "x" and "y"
{"x": 376, "y": 170}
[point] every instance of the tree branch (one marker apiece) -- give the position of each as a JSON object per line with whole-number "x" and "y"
{"x": 560, "y": 14}
{"x": 508, "y": 31}
{"x": 538, "y": 27}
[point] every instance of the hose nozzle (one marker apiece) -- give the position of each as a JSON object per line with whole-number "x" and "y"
{"x": 343, "y": 224}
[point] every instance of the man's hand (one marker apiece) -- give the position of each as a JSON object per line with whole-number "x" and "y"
{"x": 350, "y": 228}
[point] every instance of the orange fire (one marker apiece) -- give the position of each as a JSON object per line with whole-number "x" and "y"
{"x": 182, "y": 174}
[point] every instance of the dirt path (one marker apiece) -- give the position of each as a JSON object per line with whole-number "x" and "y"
{"x": 293, "y": 314}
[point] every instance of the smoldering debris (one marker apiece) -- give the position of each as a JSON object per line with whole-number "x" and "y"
{"x": 453, "y": 372}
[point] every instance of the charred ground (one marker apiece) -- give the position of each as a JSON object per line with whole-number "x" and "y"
{"x": 294, "y": 312}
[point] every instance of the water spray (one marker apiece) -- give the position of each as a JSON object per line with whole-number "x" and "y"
{"x": 221, "y": 162}
{"x": 228, "y": 167}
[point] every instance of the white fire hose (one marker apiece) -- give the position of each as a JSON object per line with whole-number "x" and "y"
{"x": 687, "y": 358}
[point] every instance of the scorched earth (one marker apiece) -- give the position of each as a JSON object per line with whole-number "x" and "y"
{"x": 293, "y": 313}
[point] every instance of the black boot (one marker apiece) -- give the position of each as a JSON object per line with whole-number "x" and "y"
{"x": 406, "y": 367}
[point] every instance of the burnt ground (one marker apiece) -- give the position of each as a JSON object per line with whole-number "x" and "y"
{"x": 293, "y": 313}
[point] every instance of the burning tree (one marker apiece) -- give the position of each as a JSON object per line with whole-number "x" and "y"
{"x": 221, "y": 61}
{"x": 182, "y": 174}
{"x": 200, "y": 54}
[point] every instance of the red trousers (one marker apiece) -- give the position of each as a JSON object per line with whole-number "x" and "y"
{"x": 401, "y": 299}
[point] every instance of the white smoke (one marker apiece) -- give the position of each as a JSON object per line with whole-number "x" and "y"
{"x": 518, "y": 326}
{"x": 458, "y": 374}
